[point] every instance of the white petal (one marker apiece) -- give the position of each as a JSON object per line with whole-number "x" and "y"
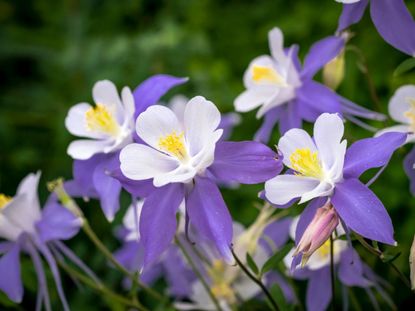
{"x": 283, "y": 188}
{"x": 328, "y": 132}
{"x": 182, "y": 174}
{"x": 206, "y": 156}
{"x": 284, "y": 95}
{"x": 29, "y": 186}
{"x": 9, "y": 230}
{"x": 245, "y": 288}
{"x": 155, "y": 123}
{"x": 276, "y": 43}
{"x": 262, "y": 61}
{"x": 347, "y": 1}
{"x": 336, "y": 170}
{"x": 75, "y": 121}
{"x": 317, "y": 261}
{"x": 129, "y": 106}
{"x": 139, "y": 162}
{"x": 254, "y": 97}
{"x": 322, "y": 190}
{"x": 105, "y": 93}
{"x": 399, "y": 103}
{"x": 292, "y": 140}
{"x": 178, "y": 104}
{"x": 131, "y": 220}
{"x": 201, "y": 119}
{"x": 84, "y": 149}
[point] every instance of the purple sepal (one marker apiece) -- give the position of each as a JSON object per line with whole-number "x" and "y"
{"x": 371, "y": 152}
{"x": 287, "y": 290}
{"x": 158, "y": 220}
{"x": 290, "y": 117}
{"x": 408, "y": 164}
{"x": 395, "y": 24}
{"x": 278, "y": 232}
{"x": 209, "y": 215}
{"x": 130, "y": 256}
{"x": 246, "y": 162}
{"x": 57, "y": 223}
{"x": 227, "y": 122}
{"x": 351, "y": 269}
{"x": 152, "y": 89}
{"x": 362, "y": 211}
{"x": 351, "y": 14}
{"x": 137, "y": 188}
{"x": 318, "y": 294}
{"x": 10, "y": 280}
{"x": 320, "y": 54}
{"x": 270, "y": 119}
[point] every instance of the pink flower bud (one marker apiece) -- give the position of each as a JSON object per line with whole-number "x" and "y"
{"x": 318, "y": 231}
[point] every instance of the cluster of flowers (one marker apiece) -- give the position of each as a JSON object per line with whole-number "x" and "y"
{"x": 172, "y": 157}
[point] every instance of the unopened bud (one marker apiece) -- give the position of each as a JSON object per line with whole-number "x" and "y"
{"x": 333, "y": 71}
{"x": 412, "y": 264}
{"x": 56, "y": 186}
{"x": 318, "y": 231}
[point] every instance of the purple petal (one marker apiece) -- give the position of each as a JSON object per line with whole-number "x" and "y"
{"x": 83, "y": 173}
{"x": 130, "y": 255}
{"x": 107, "y": 187}
{"x": 371, "y": 152}
{"x": 57, "y": 223}
{"x": 137, "y": 188}
{"x": 395, "y": 24}
{"x": 151, "y": 90}
{"x": 227, "y": 122}
{"x": 320, "y": 54}
{"x": 318, "y": 97}
{"x": 351, "y": 14}
{"x": 270, "y": 119}
{"x": 408, "y": 164}
{"x": 351, "y": 269}
{"x": 307, "y": 216}
{"x": 319, "y": 290}
{"x": 10, "y": 280}
{"x": 290, "y": 117}
{"x": 278, "y": 232}
{"x": 362, "y": 211}
{"x": 349, "y": 108}
{"x": 246, "y": 162}
{"x": 158, "y": 220}
{"x": 275, "y": 278}
{"x": 209, "y": 215}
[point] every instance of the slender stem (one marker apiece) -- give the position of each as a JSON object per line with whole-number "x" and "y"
{"x": 100, "y": 287}
{"x": 379, "y": 253}
{"x": 332, "y": 276}
{"x": 198, "y": 274}
{"x": 104, "y": 250}
{"x": 256, "y": 281}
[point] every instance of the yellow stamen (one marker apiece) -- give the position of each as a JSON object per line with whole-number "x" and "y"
{"x": 306, "y": 163}
{"x": 324, "y": 250}
{"x": 220, "y": 286}
{"x": 100, "y": 119}
{"x": 261, "y": 74}
{"x": 4, "y": 199}
{"x": 174, "y": 145}
{"x": 410, "y": 114}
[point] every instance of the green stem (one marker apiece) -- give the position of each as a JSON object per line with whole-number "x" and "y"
{"x": 256, "y": 281}
{"x": 198, "y": 274}
{"x": 332, "y": 276}
{"x": 100, "y": 287}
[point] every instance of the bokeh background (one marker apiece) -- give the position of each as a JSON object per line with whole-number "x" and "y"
{"x": 52, "y": 53}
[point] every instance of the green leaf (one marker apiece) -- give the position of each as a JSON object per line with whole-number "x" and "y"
{"x": 404, "y": 67}
{"x": 251, "y": 264}
{"x": 278, "y": 295}
{"x": 389, "y": 256}
{"x": 273, "y": 262}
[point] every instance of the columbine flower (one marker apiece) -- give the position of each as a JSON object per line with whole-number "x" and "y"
{"x": 286, "y": 93}
{"x": 110, "y": 124}
{"x": 28, "y": 229}
{"x": 322, "y": 168}
{"x": 183, "y": 159}
{"x": 402, "y": 110}
{"x": 349, "y": 270}
{"x": 391, "y": 18}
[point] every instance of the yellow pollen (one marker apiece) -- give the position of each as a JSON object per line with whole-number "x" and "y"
{"x": 174, "y": 145}
{"x": 220, "y": 287}
{"x": 261, "y": 74}
{"x": 306, "y": 163}
{"x": 100, "y": 119}
{"x": 4, "y": 199}
{"x": 410, "y": 114}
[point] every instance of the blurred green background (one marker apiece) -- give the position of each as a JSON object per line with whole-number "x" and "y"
{"x": 52, "y": 53}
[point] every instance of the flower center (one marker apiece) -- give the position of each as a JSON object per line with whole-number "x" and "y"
{"x": 4, "y": 199}
{"x": 306, "y": 163}
{"x": 220, "y": 287}
{"x": 100, "y": 119}
{"x": 410, "y": 114}
{"x": 324, "y": 250}
{"x": 266, "y": 74}
{"x": 174, "y": 145}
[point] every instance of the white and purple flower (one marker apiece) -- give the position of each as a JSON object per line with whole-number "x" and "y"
{"x": 184, "y": 158}
{"x": 286, "y": 93}
{"x": 321, "y": 168}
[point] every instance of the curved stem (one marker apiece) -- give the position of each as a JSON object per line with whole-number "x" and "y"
{"x": 256, "y": 281}
{"x": 198, "y": 274}
{"x": 332, "y": 276}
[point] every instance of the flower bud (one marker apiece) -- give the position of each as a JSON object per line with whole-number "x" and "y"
{"x": 333, "y": 72}
{"x": 412, "y": 264}
{"x": 318, "y": 231}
